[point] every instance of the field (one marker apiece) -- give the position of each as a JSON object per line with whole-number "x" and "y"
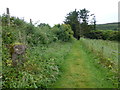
{"x": 81, "y": 70}
{"x": 51, "y": 57}
{"x": 108, "y": 49}
{"x": 108, "y": 26}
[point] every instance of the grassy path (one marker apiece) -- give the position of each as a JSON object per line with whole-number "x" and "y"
{"x": 79, "y": 71}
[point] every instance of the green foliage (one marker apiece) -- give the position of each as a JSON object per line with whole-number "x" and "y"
{"x": 9, "y": 35}
{"x": 29, "y": 29}
{"x": 4, "y": 20}
{"x": 107, "y": 54}
{"x": 40, "y": 35}
{"x": 78, "y": 20}
{"x": 82, "y": 70}
{"x": 5, "y": 56}
{"x": 104, "y": 34}
{"x": 72, "y": 20}
{"x": 14, "y": 21}
{"x": 46, "y": 49}
{"x": 63, "y": 32}
{"x": 106, "y": 50}
{"x": 41, "y": 69}
{"x": 108, "y": 26}
{"x": 15, "y": 32}
{"x": 84, "y": 15}
{"x": 43, "y": 25}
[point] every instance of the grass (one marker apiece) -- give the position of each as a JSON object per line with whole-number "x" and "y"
{"x": 107, "y": 26}
{"x": 107, "y": 49}
{"x": 81, "y": 71}
{"x": 59, "y": 65}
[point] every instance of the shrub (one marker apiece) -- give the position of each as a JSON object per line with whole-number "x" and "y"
{"x": 63, "y": 32}
{"x": 104, "y": 34}
{"x": 9, "y": 35}
{"x": 40, "y": 35}
{"x": 44, "y": 55}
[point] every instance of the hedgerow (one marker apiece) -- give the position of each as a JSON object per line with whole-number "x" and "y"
{"x": 104, "y": 34}
{"x": 46, "y": 49}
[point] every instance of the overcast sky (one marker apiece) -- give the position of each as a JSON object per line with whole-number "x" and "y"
{"x": 54, "y": 11}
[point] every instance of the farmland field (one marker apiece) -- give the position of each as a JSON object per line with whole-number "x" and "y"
{"x": 69, "y": 55}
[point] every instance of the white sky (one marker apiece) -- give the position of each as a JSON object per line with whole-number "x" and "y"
{"x": 54, "y": 11}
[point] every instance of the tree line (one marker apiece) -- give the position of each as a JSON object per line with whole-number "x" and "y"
{"x": 81, "y": 22}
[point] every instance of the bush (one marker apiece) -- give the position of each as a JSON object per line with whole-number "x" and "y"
{"x": 63, "y": 32}
{"x": 40, "y": 35}
{"x": 9, "y": 35}
{"x": 15, "y": 32}
{"x": 44, "y": 54}
{"x": 104, "y": 34}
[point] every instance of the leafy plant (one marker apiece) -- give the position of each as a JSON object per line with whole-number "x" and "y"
{"x": 44, "y": 55}
{"x": 63, "y": 32}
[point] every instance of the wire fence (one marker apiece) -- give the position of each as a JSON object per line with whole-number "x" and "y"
{"x": 106, "y": 49}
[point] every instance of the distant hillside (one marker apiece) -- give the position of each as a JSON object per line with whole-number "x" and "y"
{"x": 107, "y": 26}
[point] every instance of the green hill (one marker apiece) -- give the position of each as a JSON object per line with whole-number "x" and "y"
{"x": 107, "y": 26}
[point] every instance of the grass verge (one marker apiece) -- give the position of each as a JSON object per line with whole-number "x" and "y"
{"x": 80, "y": 70}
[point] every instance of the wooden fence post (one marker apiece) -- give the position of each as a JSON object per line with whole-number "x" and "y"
{"x": 8, "y": 16}
{"x": 31, "y": 21}
{"x": 102, "y": 51}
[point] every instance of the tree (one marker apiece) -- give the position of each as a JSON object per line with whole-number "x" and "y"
{"x": 72, "y": 20}
{"x": 43, "y": 25}
{"x": 79, "y": 22}
{"x": 93, "y": 22}
{"x": 84, "y": 15}
{"x": 84, "y": 19}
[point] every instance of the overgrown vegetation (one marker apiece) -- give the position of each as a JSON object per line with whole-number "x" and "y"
{"x": 107, "y": 53}
{"x": 46, "y": 50}
{"x": 108, "y": 26}
{"x": 83, "y": 70}
{"x": 80, "y": 22}
{"x": 104, "y": 34}
{"x": 83, "y": 26}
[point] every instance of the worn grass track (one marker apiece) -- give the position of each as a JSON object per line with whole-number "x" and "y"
{"x": 80, "y": 71}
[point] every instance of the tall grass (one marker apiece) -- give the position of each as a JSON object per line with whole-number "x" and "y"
{"x": 108, "y": 49}
{"x": 107, "y": 55}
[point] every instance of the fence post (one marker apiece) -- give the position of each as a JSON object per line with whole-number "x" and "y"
{"x": 8, "y": 16}
{"x": 31, "y": 21}
{"x": 102, "y": 51}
